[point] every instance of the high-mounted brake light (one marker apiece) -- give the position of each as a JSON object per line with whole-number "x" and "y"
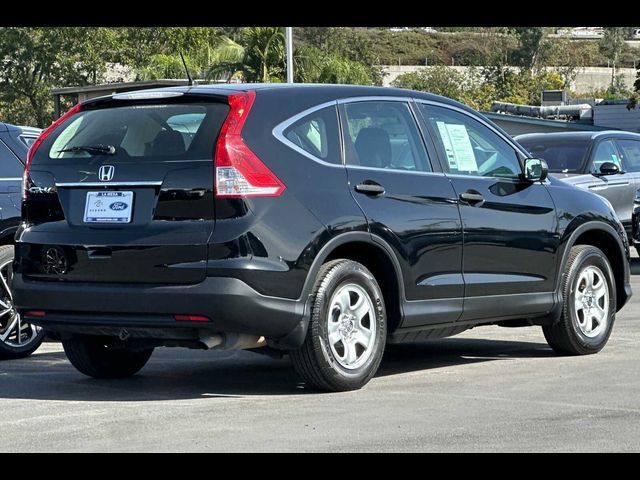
{"x": 32, "y": 151}
{"x": 239, "y": 172}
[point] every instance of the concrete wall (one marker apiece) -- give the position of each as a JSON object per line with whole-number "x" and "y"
{"x": 588, "y": 79}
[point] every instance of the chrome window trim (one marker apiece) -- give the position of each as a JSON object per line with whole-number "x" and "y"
{"x": 482, "y": 121}
{"x": 394, "y": 170}
{"x": 109, "y": 184}
{"x": 278, "y": 132}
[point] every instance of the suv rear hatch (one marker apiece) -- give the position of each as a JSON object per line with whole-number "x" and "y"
{"x": 121, "y": 190}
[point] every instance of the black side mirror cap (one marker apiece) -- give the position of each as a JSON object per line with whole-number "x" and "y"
{"x": 609, "y": 168}
{"x": 535, "y": 170}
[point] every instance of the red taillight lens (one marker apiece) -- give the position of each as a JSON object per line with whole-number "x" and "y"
{"x": 191, "y": 318}
{"x": 32, "y": 151}
{"x": 239, "y": 172}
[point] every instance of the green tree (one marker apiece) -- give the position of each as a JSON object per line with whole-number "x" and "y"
{"x": 612, "y": 45}
{"x": 35, "y": 60}
{"x": 440, "y": 80}
{"x": 313, "y": 66}
{"x": 533, "y": 47}
{"x": 257, "y": 57}
{"x": 568, "y": 57}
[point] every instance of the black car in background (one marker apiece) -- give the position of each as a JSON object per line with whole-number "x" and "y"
{"x": 319, "y": 220}
{"x": 606, "y": 163}
{"x": 17, "y": 339}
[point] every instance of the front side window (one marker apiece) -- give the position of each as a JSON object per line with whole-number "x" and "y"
{"x": 469, "y": 147}
{"x": 630, "y": 150}
{"x": 317, "y": 134}
{"x": 605, "y": 153}
{"x": 383, "y": 134}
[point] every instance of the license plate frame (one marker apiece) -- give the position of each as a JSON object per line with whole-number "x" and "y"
{"x": 108, "y": 206}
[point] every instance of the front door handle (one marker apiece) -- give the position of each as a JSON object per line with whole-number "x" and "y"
{"x": 472, "y": 197}
{"x": 370, "y": 188}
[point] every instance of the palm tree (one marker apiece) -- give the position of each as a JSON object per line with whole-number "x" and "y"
{"x": 261, "y": 59}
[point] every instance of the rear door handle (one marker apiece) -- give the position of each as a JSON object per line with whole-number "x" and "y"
{"x": 370, "y": 188}
{"x": 471, "y": 197}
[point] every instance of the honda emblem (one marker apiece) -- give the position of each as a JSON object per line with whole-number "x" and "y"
{"x": 105, "y": 173}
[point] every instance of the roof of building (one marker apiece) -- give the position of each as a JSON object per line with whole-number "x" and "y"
{"x": 586, "y": 136}
{"x": 559, "y": 124}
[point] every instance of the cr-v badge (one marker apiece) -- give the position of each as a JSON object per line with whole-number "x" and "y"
{"x": 105, "y": 173}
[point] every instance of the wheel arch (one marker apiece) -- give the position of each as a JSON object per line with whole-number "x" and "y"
{"x": 376, "y": 255}
{"x": 604, "y": 237}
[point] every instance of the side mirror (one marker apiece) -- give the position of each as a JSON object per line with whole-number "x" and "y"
{"x": 535, "y": 170}
{"x": 609, "y": 168}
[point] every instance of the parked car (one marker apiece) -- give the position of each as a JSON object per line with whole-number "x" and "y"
{"x": 17, "y": 339}
{"x": 606, "y": 163}
{"x": 318, "y": 220}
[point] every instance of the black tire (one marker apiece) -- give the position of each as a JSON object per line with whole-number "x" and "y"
{"x": 315, "y": 361}
{"x": 565, "y": 337}
{"x": 95, "y": 357}
{"x": 9, "y": 348}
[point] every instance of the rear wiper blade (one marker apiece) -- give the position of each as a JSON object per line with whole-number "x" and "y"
{"x": 93, "y": 149}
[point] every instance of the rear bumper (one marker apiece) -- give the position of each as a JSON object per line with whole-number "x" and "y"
{"x": 232, "y": 305}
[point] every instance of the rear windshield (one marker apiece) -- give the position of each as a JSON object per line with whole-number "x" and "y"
{"x": 566, "y": 156}
{"x": 139, "y": 133}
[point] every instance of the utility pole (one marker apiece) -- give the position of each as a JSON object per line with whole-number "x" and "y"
{"x": 288, "y": 42}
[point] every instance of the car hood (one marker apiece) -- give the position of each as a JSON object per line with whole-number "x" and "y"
{"x": 573, "y": 178}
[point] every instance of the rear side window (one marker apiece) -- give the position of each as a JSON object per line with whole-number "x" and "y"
{"x": 139, "y": 133}
{"x": 28, "y": 140}
{"x": 317, "y": 135}
{"x": 383, "y": 134}
{"x": 10, "y": 166}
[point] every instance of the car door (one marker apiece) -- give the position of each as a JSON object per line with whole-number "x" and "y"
{"x": 408, "y": 204}
{"x": 509, "y": 225}
{"x": 618, "y": 188}
{"x": 630, "y": 157}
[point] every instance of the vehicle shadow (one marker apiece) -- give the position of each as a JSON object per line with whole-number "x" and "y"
{"x": 174, "y": 374}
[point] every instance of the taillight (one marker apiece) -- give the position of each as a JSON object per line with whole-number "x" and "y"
{"x": 239, "y": 172}
{"x": 32, "y": 151}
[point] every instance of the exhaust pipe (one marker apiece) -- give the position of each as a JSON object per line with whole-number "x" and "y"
{"x": 233, "y": 341}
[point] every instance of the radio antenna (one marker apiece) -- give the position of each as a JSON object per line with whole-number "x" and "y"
{"x": 186, "y": 69}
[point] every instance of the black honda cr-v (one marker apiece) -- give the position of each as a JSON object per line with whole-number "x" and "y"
{"x": 323, "y": 221}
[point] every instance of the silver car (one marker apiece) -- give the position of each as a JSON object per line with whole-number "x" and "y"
{"x": 606, "y": 163}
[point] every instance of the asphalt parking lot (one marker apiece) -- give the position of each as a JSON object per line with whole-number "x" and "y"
{"x": 489, "y": 389}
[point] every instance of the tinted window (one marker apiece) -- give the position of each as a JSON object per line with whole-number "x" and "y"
{"x": 383, "y": 134}
{"x": 469, "y": 147}
{"x": 28, "y": 140}
{"x": 140, "y": 132}
{"x": 10, "y": 166}
{"x": 565, "y": 156}
{"x": 630, "y": 150}
{"x": 605, "y": 152}
{"x": 317, "y": 134}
